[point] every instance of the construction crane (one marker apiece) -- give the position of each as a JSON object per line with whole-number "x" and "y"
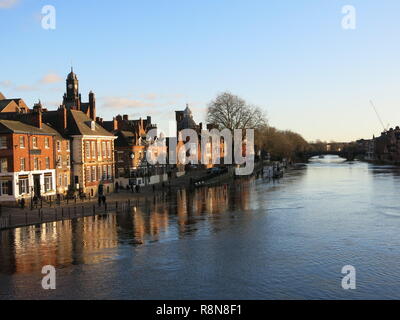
{"x": 380, "y": 119}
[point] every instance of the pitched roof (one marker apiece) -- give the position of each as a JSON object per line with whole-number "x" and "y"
{"x": 2, "y": 97}
{"x": 7, "y": 126}
{"x": 19, "y": 103}
{"x": 4, "y": 103}
{"x": 80, "y": 124}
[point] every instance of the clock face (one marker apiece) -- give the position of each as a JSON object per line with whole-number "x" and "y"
{"x": 70, "y": 86}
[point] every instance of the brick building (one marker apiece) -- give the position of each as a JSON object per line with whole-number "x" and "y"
{"x": 27, "y": 166}
{"x": 91, "y": 147}
{"x": 12, "y": 105}
{"x": 387, "y": 146}
{"x": 130, "y": 149}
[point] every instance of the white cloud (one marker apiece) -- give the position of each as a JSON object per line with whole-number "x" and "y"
{"x": 51, "y": 78}
{"x": 7, "y": 4}
{"x": 123, "y": 103}
{"x": 25, "y": 87}
{"x": 151, "y": 96}
{"x": 51, "y": 103}
{"x": 6, "y": 83}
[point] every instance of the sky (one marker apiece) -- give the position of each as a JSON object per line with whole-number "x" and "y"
{"x": 292, "y": 58}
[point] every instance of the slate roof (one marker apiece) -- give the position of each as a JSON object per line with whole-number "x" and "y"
{"x": 7, "y": 126}
{"x": 4, "y": 103}
{"x": 80, "y": 124}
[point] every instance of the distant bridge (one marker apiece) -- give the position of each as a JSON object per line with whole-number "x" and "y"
{"x": 343, "y": 154}
{"x": 342, "y": 149}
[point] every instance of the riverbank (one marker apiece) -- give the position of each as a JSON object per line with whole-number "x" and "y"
{"x": 125, "y": 200}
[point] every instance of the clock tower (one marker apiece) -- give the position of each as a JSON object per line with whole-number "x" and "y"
{"x": 72, "y": 99}
{"x": 72, "y": 96}
{"x": 72, "y": 86}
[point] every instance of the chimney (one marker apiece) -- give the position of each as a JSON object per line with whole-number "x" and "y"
{"x": 125, "y": 117}
{"x": 37, "y": 115}
{"x": 115, "y": 124}
{"x": 62, "y": 117}
{"x": 119, "y": 118}
{"x": 92, "y": 105}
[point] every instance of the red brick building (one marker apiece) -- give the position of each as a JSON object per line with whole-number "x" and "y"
{"x": 27, "y": 166}
{"x": 91, "y": 147}
{"x": 130, "y": 149}
{"x": 12, "y": 105}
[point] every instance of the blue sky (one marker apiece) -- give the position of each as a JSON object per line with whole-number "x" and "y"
{"x": 291, "y": 58}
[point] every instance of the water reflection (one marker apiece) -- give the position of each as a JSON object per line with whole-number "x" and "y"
{"x": 254, "y": 239}
{"x": 86, "y": 240}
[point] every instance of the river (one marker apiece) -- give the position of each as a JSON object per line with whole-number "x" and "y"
{"x": 255, "y": 239}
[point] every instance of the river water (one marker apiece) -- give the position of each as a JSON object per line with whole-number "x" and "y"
{"x": 255, "y": 239}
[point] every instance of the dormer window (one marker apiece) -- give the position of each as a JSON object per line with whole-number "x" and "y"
{"x": 93, "y": 125}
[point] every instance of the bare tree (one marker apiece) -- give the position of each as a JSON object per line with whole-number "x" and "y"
{"x": 231, "y": 112}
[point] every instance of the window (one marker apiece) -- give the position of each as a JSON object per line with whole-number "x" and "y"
{"x": 35, "y": 163}
{"x": 5, "y": 187}
{"x": 99, "y": 173}
{"x": 47, "y": 142}
{"x": 23, "y": 184}
{"x": 60, "y": 180}
{"x": 34, "y": 142}
{"x": 88, "y": 173}
{"x": 22, "y": 142}
{"x": 47, "y": 163}
{"x": 68, "y": 147}
{"x": 120, "y": 157}
{"x": 66, "y": 180}
{"x": 104, "y": 172}
{"x": 59, "y": 146}
{"x": 48, "y": 183}
{"x": 3, "y": 165}
{"x": 3, "y": 143}
{"x": 87, "y": 149}
{"x": 109, "y": 173}
{"x": 108, "y": 149}
{"x": 68, "y": 161}
{"x": 59, "y": 161}
{"x": 22, "y": 164}
{"x": 94, "y": 174}
{"x": 93, "y": 149}
{"x": 98, "y": 150}
{"x": 121, "y": 172}
{"x": 103, "y": 147}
